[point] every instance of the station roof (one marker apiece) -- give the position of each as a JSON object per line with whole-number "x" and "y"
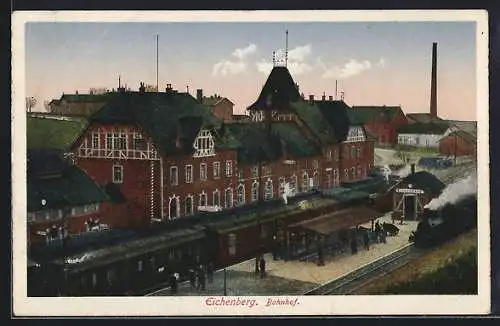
{"x": 328, "y": 223}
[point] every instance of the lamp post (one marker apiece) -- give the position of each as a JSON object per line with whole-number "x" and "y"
{"x": 225, "y": 282}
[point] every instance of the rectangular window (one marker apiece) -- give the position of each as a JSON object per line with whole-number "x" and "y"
{"x": 95, "y": 140}
{"x": 189, "y": 173}
{"x": 216, "y": 170}
{"x": 117, "y": 174}
{"x": 203, "y": 171}
{"x": 337, "y": 156}
{"x": 174, "y": 176}
{"x": 346, "y": 173}
{"x": 353, "y": 152}
{"x": 255, "y": 172}
{"x": 267, "y": 170}
{"x": 229, "y": 168}
{"x": 315, "y": 164}
{"x": 138, "y": 142}
{"x": 358, "y": 152}
{"x": 241, "y": 175}
{"x": 109, "y": 140}
{"x": 329, "y": 155}
{"x": 353, "y": 172}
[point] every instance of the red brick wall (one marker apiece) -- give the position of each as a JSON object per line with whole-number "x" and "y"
{"x": 362, "y": 164}
{"x": 386, "y": 132}
{"x": 453, "y": 144}
{"x": 211, "y": 184}
{"x": 223, "y": 110}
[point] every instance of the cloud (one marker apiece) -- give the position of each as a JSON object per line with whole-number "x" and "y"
{"x": 232, "y": 67}
{"x": 242, "y": 53}
{"x": 227, "y": 67}
{"x": 381, "y": 63}
{"x": 351, "y": 68}
{"x": 264, "y": 66}
{"x": 296, "y": 61}
{"x": 299, "y": 53}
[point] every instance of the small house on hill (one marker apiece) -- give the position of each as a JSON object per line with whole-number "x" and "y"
{"x": 412, "y": 193}
{"x": 422, "y": 135}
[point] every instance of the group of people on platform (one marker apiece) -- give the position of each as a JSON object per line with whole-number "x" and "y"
{"x": 197, "y": 278}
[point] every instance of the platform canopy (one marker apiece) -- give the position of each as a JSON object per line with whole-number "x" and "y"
{"x": 346, "y": 218}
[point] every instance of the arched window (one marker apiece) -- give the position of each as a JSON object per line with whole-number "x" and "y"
{"x": 293, "y": 185}
{"x": 268, "y": 194}
{"x": 255, "y": 191}
{"x": 173, "y": 208}
{"x": 188, "y": 202}
{"x": 228, "y": 198}
{"x": 316, "y": 179}
{"x": 240, "y": 195}
{"x": 305, "y": 182}
{"x": 216, "y": 198}
{"x": 203, "y": 198}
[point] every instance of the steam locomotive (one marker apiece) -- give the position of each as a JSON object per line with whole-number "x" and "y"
{"x": 446, "y": 222}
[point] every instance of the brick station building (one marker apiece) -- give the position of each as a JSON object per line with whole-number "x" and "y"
{"x": 168, "y": 155}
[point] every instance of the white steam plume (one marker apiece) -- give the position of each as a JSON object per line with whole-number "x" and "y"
{"x": 454, "y": 192}
{"x": 403, "y": 172}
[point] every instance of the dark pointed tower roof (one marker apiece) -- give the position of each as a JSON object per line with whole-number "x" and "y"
{"x": 279, "y": 91}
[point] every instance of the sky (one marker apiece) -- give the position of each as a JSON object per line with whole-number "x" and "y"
{"x": 379, "y": 63}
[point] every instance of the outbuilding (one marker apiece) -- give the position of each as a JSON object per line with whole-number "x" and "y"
{"x": 412, "y": 193}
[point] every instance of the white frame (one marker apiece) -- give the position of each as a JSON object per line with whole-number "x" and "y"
{"x": 191, "y": 179}
{"x": 174, "y": 167}
{"x": 113, "y": 173}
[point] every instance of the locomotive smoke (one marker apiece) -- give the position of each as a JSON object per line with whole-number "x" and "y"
{"x": 403, "y": 172}
{"x": 454, "y": 192}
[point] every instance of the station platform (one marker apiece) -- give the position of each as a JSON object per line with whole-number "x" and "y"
{"x": 294, "y": 277}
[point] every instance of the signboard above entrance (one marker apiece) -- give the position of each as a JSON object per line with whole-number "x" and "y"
{"x": 409, "y": 191}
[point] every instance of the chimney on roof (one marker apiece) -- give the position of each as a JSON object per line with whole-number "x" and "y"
{"x": 142, "y": 88}
{"x": 330, "y": 98}
{"x": 169, "y": 88}
{"x": 76, "y": 92}
{"x": 199, "y": 95}
{"x": 311, "y": 98}
{"x": 433, "y": 105}
{"x": 323, "y": 98}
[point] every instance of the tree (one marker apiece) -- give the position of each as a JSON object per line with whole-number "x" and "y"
{"x": 30, "y": 103}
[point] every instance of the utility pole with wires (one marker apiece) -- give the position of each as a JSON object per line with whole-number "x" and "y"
{"x": 157, "y": 64}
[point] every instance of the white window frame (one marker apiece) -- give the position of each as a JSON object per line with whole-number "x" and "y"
{"x": 96, "y": 135}
{"x": 216, "y": 191}
{"x": 204, "y": 144}
{"x": 329, "y": 154}
{"x": 177, "y": 207}
{"x": 268, "y": 190}
{"x": 255, "y": 171}
{"x": 188, "y": 176}
{"x": 203, "y": 171}
{"x": 188, "y": 197}
{"x": 353, "y": 172}
{"x": 358, "y": 152}
{"x": 229, "y": 168}
{"x": 122, "y": 173}
{"x": 255, "y": 191}
{"x": 305, "y": 181}
{"x": 346, "y": 174}
{"x": 230, "y": 201}
{"x": 216, "y": 167}
{"x": 315, "y": 164}
{"x": 281, "y": 182}
{"x": 203, "y": 195}
{"x": 316, "y": 179}
{"x": 293, "y": 184}
{"x": 336, "y": 177}
{"x": 240, "y": 195}
{"x": 241, "y": 174}
{"x": 176, "y": 174}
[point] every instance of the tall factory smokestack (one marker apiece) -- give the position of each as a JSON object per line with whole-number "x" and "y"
{"x": 434, "y": 81}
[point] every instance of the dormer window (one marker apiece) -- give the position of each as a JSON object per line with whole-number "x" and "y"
{"x": 204, "y": 144}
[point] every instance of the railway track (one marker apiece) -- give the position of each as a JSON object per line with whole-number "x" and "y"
{"x": 350, "y": 282}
